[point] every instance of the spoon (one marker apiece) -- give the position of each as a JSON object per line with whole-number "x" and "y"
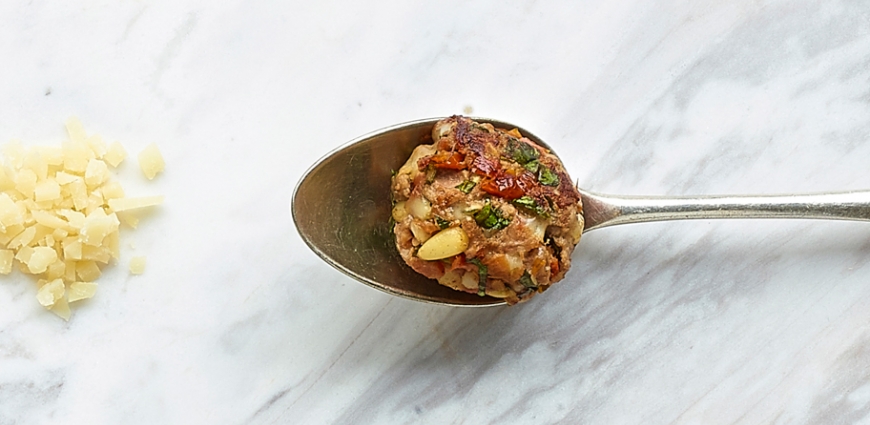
{"x": 341, "y": 208}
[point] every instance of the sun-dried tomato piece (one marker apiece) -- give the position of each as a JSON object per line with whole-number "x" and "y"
{"x": 484, "y": 166}
{"x": 554, "y": 268}
{"x": 504, "y": 185}
{"x": 449, "y": 161}
{"x": 458, "y": 262}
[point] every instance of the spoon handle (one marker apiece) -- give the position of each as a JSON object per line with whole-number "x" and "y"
{"x": 606, "y": 210}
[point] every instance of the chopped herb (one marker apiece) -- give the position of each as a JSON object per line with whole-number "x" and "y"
{"x": 526, "y": 201}
{"x": 530, "y": 204}
{"x": 430, "y": 174}
{"x": 481, "y": 274}
{"x": 527, "y": 156}
{"x": 393, "y": 172}
{"x": 490, "y": 217}
{"x": 466, "y": 186}
{"x": 547, "y": 177}
{"x": 532, "y": 166}
{"x": 521, "y": 151}
{"x": 527, "y": 281}
{"x": 479, "y": 127}
{"x": 442, "y": 223}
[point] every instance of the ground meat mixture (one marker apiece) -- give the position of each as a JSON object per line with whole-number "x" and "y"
{"x": 486, "y": 211}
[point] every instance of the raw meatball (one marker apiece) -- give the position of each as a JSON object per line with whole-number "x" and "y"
{"x": 486, "y": 211}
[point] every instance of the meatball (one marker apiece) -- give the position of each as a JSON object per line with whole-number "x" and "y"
{"x": 486, "y": 211}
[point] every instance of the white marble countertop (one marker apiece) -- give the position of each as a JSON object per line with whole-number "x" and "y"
{"x": 235, "y": 321}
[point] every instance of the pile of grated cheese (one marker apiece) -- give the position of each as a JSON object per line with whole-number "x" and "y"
{"x": 61, "y": 210}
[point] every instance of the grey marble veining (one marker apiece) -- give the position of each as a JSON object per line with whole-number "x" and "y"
{"x": 236, "y": 321}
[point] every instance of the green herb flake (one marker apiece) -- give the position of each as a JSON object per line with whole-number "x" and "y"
{"x": 477, "y": 126}
{"x": 532, "y": 166}
{"x": 526, "y": 201}
{"x": 466, "y": 186}
{"x": 521, "y": 151}
{"x": 527, "y": 281}
{"x": 442, "y": 223}
{"x": 490, "y": 217}
{"x": 481, "y": 274}
{"x": 430, "y": 174}
{"x": 530, "y": 204}
{"x": 547, "y": 177}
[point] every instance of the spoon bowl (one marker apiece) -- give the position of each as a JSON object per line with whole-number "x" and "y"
{"x": 341, "y": 208}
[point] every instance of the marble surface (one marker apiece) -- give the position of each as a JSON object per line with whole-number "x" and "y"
{"x": 236, "y": 321}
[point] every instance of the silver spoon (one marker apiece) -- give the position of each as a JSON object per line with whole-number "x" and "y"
{"x": 341, "y": 208}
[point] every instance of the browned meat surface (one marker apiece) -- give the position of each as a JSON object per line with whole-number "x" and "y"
{"x": 519, "y": 214}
